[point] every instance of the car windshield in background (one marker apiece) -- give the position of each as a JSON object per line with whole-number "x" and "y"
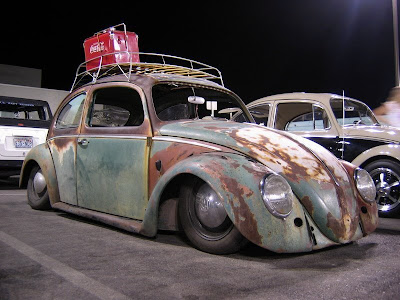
{"x": 24, "y": 112}
{"x": 355, "y": 113}
{"x": 178, "y": 102}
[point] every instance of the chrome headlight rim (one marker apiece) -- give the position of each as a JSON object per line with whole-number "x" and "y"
{"x": 265, "y": 186}
{"x": 365, "y": 185}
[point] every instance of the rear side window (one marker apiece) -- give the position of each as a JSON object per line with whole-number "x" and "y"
{"x": 301, "y": 116}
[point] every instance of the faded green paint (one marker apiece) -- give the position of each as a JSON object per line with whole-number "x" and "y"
{"x": 112, "y": 176}
{"x": 63, "y": 151}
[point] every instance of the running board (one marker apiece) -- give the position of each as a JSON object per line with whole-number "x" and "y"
{"x": 119, "y": 222}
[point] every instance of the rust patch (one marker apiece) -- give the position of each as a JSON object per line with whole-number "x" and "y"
{"x": 170, "y": 156}
{"x": 275, "y": 154}
{"x": 62, "y": 144}
{"x": 244, "y": 218}
{"x": 308, "y": 205}
{"x": 344, "y": 228}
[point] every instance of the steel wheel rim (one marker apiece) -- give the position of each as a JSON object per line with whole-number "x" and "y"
{"x": 208, "y": 215}
{"x": 39, "y": 183}
{"x": 387, "y": 183}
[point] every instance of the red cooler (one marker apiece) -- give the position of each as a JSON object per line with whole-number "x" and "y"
{"x": 113, "y": 45}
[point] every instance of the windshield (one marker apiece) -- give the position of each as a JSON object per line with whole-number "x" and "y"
{"x": 24, "y": 112}
{"x": 355, "y": 112}
{"x": 180, "y": 101}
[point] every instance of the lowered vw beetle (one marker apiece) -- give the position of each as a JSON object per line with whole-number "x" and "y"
{"x": 153, "y": 149}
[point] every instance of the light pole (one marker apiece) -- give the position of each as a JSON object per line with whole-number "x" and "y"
{"x": 396, "y": 41}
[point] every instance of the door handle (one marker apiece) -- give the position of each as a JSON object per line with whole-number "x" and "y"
{"x": 83, "y": 142}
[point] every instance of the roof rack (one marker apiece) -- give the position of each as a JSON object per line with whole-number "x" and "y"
{"x": 156, "y": 63}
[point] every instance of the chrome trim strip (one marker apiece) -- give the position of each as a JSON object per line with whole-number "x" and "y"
{"x": 181, "y": 140}
{"x": 136, "y": 137}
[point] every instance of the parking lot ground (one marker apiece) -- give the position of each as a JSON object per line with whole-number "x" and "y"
{"x": 54, "y": 255}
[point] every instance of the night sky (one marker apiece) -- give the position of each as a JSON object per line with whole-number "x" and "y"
{"x": 261, "y": 47}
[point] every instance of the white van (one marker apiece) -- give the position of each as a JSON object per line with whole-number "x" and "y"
{"x": 23, "y": 124}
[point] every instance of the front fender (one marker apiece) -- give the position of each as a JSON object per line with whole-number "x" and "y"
{"x": 40, "y": 155}
{"x": 369, "y": 217}
{"x": 236, "y": 179}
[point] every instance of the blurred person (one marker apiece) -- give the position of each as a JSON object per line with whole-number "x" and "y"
{"x": 389, "y": 111}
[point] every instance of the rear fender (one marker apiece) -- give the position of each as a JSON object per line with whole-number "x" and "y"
{"x": 40, "y": 155}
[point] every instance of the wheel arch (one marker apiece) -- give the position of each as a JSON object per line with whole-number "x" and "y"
{"x": 389, "y": 151}
{"x": 376, "y": 158}
{"x": 168, "y": 218}
{"x": 41, "y": 156}
{"x": 25, "y": 172}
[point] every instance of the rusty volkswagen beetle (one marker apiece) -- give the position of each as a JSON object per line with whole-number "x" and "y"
{"x": 153, "y": 149}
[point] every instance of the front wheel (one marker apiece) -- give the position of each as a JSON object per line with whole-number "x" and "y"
{"x": 38, "y": 197}
{"x": 386, "y": 176}
{"x": 205, "y": 221}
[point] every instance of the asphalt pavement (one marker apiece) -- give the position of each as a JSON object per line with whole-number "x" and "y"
{"x": 54, "y": 255}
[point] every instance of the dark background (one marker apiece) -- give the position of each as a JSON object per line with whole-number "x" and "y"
{"x": 261, "y": 47}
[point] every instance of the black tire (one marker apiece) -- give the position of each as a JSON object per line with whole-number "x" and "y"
{"x": 386, "y": 176}
{"x": 38, "y": 197}
{"x": 208, "y": 227}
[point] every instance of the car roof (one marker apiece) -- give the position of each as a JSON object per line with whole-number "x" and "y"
{"x": 320, "y": 97}
{"x": 152, "y": 79}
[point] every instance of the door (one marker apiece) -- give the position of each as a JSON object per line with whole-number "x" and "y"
{"x": 112, "y": 170}
{"x": 63, "y": 147}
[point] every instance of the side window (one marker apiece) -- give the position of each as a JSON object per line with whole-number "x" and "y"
{"x": 301, "y": 117}
{"x": 70, "y": 115}
{"x": 115, "y": 107}
{"x": 260, "y": 114}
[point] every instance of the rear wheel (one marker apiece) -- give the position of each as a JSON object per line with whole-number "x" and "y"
{"x": 386, "y": 176}
{"x": 38, "y": 197}
{"x": 205, "y": 221}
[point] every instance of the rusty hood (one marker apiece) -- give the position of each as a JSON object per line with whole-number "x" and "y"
{"x": 317, "y": 178}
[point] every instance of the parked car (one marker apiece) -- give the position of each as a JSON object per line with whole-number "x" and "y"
{"x": 23, "y": 124}
{"x": 152, "y": 149}
{"x": 346, "y": 128}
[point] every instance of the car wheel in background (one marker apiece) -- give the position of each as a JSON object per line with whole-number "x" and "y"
{"x": 386, "y": 176}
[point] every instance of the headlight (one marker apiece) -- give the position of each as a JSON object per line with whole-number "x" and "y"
{"x": 277, "y": 195}
{"x": 365, "y": 185}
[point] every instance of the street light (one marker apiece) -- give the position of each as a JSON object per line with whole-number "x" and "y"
{"x": 396, "y": 40}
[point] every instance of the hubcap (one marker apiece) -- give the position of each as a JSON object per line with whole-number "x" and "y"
{"x": 387, "y": 184}
{"x": 209, "y": 208}
{"x": 39, "y": 183}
